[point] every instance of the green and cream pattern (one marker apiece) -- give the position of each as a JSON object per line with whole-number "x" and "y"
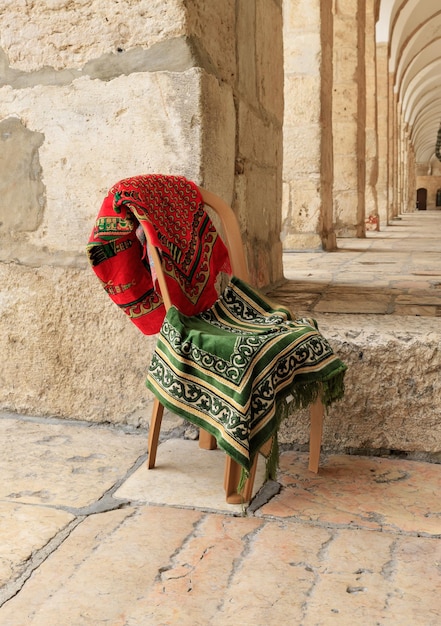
{"x": 236, "y": 368}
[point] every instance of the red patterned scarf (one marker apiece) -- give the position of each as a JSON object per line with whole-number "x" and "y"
{"x": 171, "y": 210}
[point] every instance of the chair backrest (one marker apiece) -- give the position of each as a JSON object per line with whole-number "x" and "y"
{"x": 231, "y": 236}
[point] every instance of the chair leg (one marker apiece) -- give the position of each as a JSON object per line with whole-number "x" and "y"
{"x": 155, "y": 427}
{"x": 206, "y": 441}
{"x": 316, "y": 413}
{"x": 266, "y": 448}
{"x": 231, "y": 480}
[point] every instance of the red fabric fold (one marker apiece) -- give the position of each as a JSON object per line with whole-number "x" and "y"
{"x": 171, "y": 210}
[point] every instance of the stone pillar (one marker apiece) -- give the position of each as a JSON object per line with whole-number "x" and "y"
{"x": 400, "y": 138}
{"x": 411, "y": 179}
{"x": 372, "y": 215}
{"x": 258, "y": 97}
{"x": 349, "y": 117}
{"x": 329, "y": 239}
{"x": 308, "y": 172}
{"x": 383, "y": 130}
{"x": 404, "y": 168}
{"x": 239, "y": 45}
{"x": 393, "y": 144}
{"x": 408, "y": 183}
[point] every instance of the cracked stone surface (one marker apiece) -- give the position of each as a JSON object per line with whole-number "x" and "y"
{"x": 62, "y": 464}
{"x": 359, "y": 543}
{"x": 361, "y": 492}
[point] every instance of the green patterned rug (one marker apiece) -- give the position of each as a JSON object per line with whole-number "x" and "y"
{"x": 238, "y": 367}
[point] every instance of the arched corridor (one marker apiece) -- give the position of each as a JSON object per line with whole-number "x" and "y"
{"x": 362, "y": 116}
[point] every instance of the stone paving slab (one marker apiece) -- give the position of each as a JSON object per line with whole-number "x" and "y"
{"x": 103, "y": 570}
{"x": 24, "y": 530}
{"x": 51, "y": 472}
{"x": 361, "y": 492}
{"x": 184, "y": 473}
{"x": 358, "y": 544}
{"x": 158, "y": 566}
{"x": 368, "y": 578}
{"x": 62, "y": 463}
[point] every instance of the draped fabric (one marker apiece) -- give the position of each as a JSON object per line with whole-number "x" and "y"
{"x": 234, "y": 364}
{"x": 171, "y": 210}
{"x": 235, "y": 368}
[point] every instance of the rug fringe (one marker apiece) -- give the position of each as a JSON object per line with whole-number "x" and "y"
{"x": 299, "y": 396}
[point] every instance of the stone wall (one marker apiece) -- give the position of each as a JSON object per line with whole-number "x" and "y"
{"x": 92, "y": 92}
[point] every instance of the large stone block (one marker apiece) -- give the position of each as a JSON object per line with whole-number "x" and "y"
{"x": 393, "y": 390}
{"x": 96, "y": 133}
{"x": 346, "y": 177}
{"x": 301, "y": 16}
{"x": 62, "y": 34}
{"x": 302, "y": 53}
{"x": 345, "y": 220}
{"x": 67, "y": 350}
{"x": 344, "y": 104}
{"x": 218, "y": 140}
{"x": 304, "y": 213}
{"x": 302, "y": 152}
{"x": 21, "y": 185}
{"x": 257, "y": 140}
{"x": 346, "y": 139}
{"x": 302, "y": 94}
{"x": 213, "y": 26}
{"x": 260, "y": 192}
{"x": 246, "y": 58}
{"x": 258, "y": 187}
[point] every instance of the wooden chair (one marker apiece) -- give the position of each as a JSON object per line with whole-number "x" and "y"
{"x": 232, "y": 238}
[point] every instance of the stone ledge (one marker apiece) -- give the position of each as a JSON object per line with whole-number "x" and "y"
{"x": 393, "y": 387}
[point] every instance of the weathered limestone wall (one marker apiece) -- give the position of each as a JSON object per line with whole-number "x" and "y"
{"x": 92, "y": 92}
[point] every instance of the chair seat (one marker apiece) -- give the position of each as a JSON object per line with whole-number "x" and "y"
{"x": 235, "y": 368}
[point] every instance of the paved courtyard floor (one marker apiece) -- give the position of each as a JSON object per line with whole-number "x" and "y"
{"x": 396, "y": 271}
{"x": 89, "y": 536}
